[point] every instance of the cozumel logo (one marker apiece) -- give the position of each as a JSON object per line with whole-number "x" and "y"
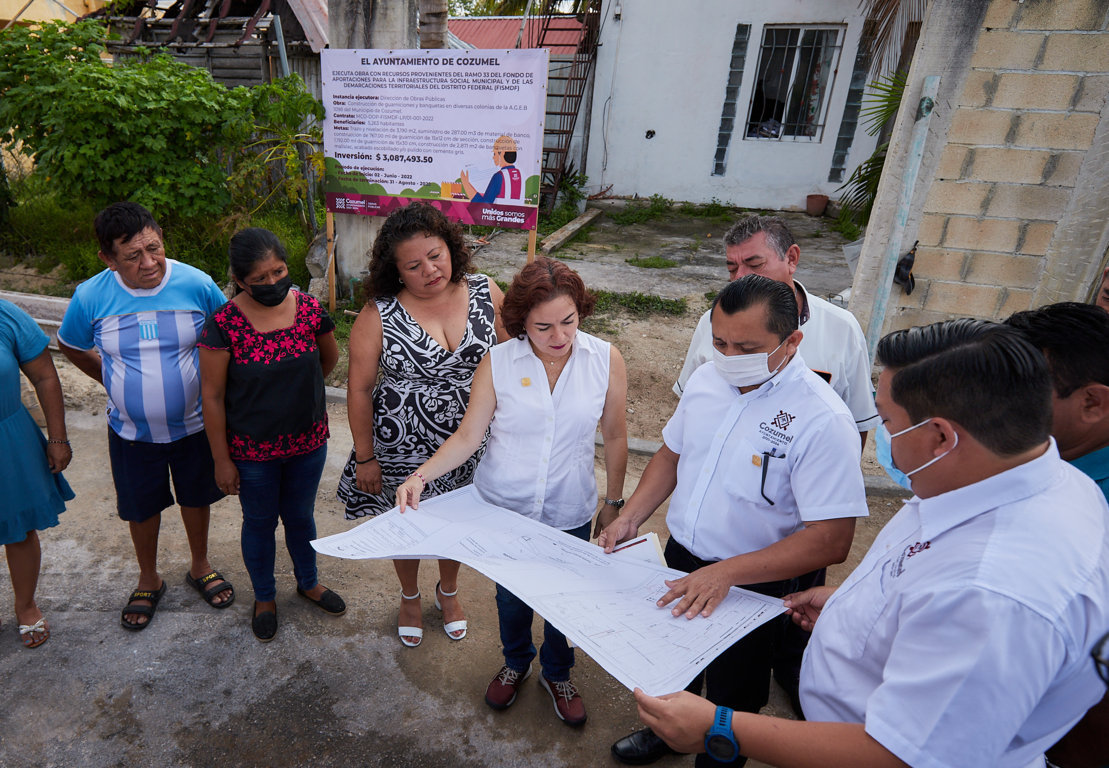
{"x": 782, "y": 420}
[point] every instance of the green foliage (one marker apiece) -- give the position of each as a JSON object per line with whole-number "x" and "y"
{"x": 639, "y": 303}
{"x": 203, "y": 158}
{"x": 155, "y": 131}
{"x": 657, "y": 207}
{"x": 45, "y": 230}
{"x": 651, "y": 262}
{"x": 861, "y": 188}
{"x": 713, "y": 209}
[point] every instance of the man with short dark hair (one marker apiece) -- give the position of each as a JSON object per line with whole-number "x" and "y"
{"x": 762, "y": 458}
{"x": 963, "y": 637}
{"x": 133, "y": 328}
{"x": 1074, "y": 338}
{"x": 833, "y": 346}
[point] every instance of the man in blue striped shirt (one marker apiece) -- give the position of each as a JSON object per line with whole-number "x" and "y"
{"x": 134, "y": 327}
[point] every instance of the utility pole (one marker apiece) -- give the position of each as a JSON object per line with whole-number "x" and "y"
{"x": 387, "y": 24}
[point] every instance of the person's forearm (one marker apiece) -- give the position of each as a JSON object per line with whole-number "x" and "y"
{"x": 215, "y": 425}
{"x": 801, "y": 744}
{"x": 616, "y": 466}
{"x": 360, "y": 417}
{"x": 49, "y": 392}
{"x": 806, "y": 550}
{"x": 656, "y": 483}
{"x": 454, "y": 450}
{"x": 86, "y": 361}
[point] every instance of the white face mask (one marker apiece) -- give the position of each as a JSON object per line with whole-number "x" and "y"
{"x": 746, "y": 370}
{"x": 927, "y": 463}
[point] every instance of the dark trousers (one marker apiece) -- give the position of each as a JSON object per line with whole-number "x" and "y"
{"x": 790, "y": 646}
{"x": 739, "y": 678}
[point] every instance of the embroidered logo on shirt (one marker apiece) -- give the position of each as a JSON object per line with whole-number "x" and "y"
{"x": 148, "y": 329}
{"x": 897, "y": 567}
{"x": 782, "y": 420}
{"x": 774, "y": 432}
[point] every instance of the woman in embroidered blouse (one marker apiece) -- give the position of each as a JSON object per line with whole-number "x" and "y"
{"x": 541, "y": 396}
{"x": 426, "y": 325}
{"x": 263, "y": 358}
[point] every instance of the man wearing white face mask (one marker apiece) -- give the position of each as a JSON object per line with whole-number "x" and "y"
{"x": 762, "y": 458}
{"x": 963, "y": 638}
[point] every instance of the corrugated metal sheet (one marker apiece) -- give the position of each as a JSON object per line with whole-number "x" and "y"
{"x": 312, "y": 15}
{"x": 491, "y": 32}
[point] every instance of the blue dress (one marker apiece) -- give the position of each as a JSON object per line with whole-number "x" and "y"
{"x": 33, "y": 496}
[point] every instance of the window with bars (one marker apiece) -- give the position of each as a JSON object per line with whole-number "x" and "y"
{"x": 731, "y": 98}
{"x": 796, "y": 72}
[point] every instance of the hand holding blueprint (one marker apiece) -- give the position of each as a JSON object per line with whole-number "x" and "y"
{"x": 605, "y": 604}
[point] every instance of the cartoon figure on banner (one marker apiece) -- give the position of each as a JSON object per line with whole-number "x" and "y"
{"x": 506, "y": 184}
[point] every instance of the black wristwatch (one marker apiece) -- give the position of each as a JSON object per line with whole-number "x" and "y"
{"x": 720, "y": 742}
{"x": 617, "y": 503}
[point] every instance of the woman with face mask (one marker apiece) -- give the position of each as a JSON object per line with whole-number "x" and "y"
{"x": 263, "y": 358}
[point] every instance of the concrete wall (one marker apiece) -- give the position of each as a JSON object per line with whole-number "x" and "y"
{"x": 663, "y": 67}
{"x": 1012, "y": 213}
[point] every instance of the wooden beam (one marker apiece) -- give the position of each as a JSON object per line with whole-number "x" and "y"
{"x": 560, "y": 236}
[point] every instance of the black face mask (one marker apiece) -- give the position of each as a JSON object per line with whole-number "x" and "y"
{"x": 271, "y": 295}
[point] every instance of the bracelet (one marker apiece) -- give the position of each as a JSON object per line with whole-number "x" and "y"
{"x": 57, "y": 442}
{"x": 417, "y": 474}
{"x": 367, "y": 461}
{"x": 617, "y": 503}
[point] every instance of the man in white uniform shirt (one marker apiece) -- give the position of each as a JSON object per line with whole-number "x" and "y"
{"x": 963, "y": 638}
{"x": 833, "y": 345}
{"x": 762, "y": 458}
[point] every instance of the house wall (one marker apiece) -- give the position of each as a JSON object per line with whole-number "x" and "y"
{"x": 1013, "y": 214}
{"x": 664, "y": 69}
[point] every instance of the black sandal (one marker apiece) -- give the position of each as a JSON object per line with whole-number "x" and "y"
{"x": 209, "y": 593}
{"x": 141, "y": 610}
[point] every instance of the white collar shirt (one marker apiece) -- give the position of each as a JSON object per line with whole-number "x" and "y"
{"x": 539, "y": 458}
{"x": 963, "y": 637}
{"x": 833, "y": 345}
{"x": 791, "y": 441}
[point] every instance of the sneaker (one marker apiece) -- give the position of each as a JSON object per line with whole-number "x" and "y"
{"x": 567, "y": 701}
{"x": 502, "y": 690}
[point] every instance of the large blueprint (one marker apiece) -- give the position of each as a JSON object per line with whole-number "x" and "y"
{"x": 605, "y": 604}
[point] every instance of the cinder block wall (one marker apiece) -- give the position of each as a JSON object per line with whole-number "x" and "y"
{"x": 990, "y": 232}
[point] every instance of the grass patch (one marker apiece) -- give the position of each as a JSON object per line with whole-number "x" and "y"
{"x": 846, "y": 226}
{"x": 651, "y": 262}
{"x": 639, "y": 303}
{"x": 655, "y": 208}
{"x": 598, "y": 324}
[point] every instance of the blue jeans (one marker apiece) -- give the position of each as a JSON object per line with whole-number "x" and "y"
{"x": 285, "y": 488}
{"x": 515, "y": 616}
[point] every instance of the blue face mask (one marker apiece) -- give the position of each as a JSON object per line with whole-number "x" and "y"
{"x": 885, "y": 439}
{"x": 885, "y": 457}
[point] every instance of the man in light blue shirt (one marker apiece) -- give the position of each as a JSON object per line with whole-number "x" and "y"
{"x": 134, "y": 327}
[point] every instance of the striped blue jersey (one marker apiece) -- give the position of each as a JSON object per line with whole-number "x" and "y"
{"x": 147, "y": 344}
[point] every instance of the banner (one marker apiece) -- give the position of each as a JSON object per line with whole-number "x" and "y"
{"x": 460, "y": 129}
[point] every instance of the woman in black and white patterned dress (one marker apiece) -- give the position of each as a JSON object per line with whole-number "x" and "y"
{"x": 426, "y": 325}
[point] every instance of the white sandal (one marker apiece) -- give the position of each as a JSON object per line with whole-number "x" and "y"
{"x": 455, "y": 626}
{"x": 406, "y": 632}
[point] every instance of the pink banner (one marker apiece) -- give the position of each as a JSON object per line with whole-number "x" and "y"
{"x": 483, "y": 214}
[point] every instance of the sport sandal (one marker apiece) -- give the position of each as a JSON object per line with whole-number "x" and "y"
{"x": 454, "y": 626}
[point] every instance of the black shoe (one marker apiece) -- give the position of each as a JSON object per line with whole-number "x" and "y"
{"x": 641, "y": 748}
{"x": 264, "y": 625}
{"x": 329, "y": 602}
